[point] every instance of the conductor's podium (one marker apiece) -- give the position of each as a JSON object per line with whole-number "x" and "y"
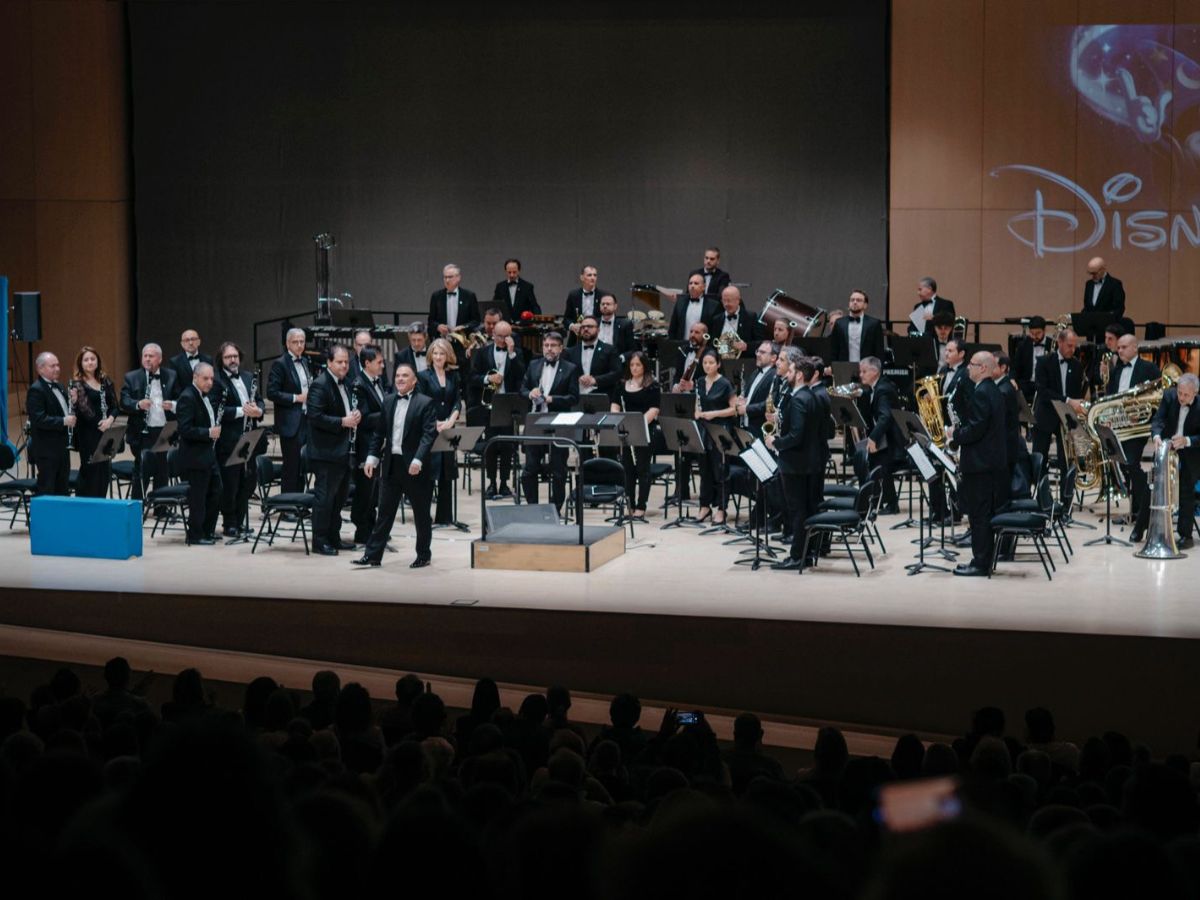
{"x": 536, "y": 547}
{"x": 92, "y": 527}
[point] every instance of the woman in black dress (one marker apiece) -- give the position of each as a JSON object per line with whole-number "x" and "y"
{"x": 637, "y": 392}
{"x": 442, "y": 383}
{"x": 714, "y": 394}
{"x": 95, "y": 408}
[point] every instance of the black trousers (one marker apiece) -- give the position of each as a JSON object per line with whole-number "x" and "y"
{"x": 981, "y": 494}
{"x": 863, "y": 466}
{"x": 499, "y": 457}
{"x": 291, "y": 479}
{"x": 1189, "y": 471}
{"x": 1041, "y": 444}
{"x": 157, "y": 474}
{"x": 444, "y": 469}
{"x": 636, "y": 461}
{"x": 93, "y": 480}
{"x": 53, "y": 475}
{"x": 331, "y": 484}
{"x": 797, "y": 494}
{"x": 712, "y": 478}
{"x": 204, "y": 495}
{"x": 534, "y": 459}
{"x": 397, "y": 485}
{"x": 364, "y": 505}
{"x": 237, "y": 484}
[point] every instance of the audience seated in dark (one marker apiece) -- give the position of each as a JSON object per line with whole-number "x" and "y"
{"x": 326, "y": 686}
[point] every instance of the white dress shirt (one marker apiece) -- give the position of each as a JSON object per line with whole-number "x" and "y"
{"x": 1126, "y": 378}
{"x": 243, "y": 395}
{"x": 762, "y": 373}
{"x": 586, "y": 355}
{"x": 695, "y": 308}
{"x": 512, "y": 292}
{"x": 607, "y": 326}
{"x": 1096, "y": 285}
{"x": 854, "y": 331}
{"x": 155, "y": 415}
{"x": 452, "y": 309}
{"x": 1183, "y": 414}
{"x": 548, "y": 372}
{"x": 587, "y": 303}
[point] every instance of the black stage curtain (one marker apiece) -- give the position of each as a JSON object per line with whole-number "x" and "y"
{"x": 625, "y": 138}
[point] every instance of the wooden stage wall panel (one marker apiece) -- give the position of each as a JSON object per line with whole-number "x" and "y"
{"x": 874, "y": 676}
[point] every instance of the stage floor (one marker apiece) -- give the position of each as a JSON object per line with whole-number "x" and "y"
{"x": 1105, "y": 590}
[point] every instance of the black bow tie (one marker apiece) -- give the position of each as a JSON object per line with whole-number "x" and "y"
{"x": 155, "y": 376}
{"x": 550, "y": 364}
{"x": 589, "y": 293}
{"x": 854, "y": 318}
{"x": 375, "y": 381}
{"x": 339, "y": 382}
{"x": 404, "y": 396}
{"x": 694, "y": 299}
{"x": 708, "y": 271}
{"x": 192, "y": 356}
{"x": 589, "y": 346}
{"x": 730, "y": 318}
{"x": 418, "y": 353}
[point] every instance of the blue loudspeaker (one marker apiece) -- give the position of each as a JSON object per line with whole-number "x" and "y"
{"x": 85, "y": 526}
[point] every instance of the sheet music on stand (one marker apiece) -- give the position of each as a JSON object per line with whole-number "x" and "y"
{"x": 758, "y": 459}
{"x": 921, "y": 460}
{"x": 567, "y": 418}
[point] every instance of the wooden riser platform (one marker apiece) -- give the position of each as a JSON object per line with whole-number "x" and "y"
{"x": 548, "y": 548}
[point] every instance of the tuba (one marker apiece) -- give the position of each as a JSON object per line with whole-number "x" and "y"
{"x": 1127, "y": 413}
{"x": 1164, "y": 497}
{"x": 929, "y": 407}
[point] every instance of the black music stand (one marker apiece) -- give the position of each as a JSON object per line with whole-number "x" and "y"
{"x": 677, "y": 406}
{"x": 724, "y": 441}
{"x": 764, "y": 468}
{"x": 1068, "y": 422}
{"x": 509, "y": 410}
{"x": 914, "y": 352}
{"x": 1113, "y": 478}
{"x": 927, "y": 468}
{"x": 109, "y": 446}
{"x": 166, "y": 437}
{"x": 448, "y": 441}
{"x": 846, "y": 413}
{"x": 844, "y": 372}
{"x": 243, "y": 451}
{"x": 914, "y": 431}
{"x": 682, "y": 436}
{"x": 624, "y": 431}
{"x": 595, "y": 402}
{"x": 1090, "y": 325}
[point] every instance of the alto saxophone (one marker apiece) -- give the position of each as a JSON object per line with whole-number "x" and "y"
{"x": 771, "y": 424}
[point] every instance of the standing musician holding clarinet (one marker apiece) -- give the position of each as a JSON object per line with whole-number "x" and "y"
{"x": 199, "y": 431}
{"x": 331, "y": 422}
{"x": 241, "y": 412}
{"x": 370, "y": 392}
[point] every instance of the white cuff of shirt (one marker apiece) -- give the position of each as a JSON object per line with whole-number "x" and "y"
{"x": 372, "y": 460}
{"x": 416, "y": 462}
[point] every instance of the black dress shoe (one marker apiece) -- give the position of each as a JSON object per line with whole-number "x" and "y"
{"x": 504, "y": 491}
{"x": 344, "y": 545}
{"x": 232, "y": 532}
{"x": 1136, "y": 535}
{"x": 969, "y": 571}
{"x": 1185, "y": 543}
{"x": 324, "y": 550}
{"x": 417, "y": 563}
{"x": 364, "y": 561}
{"x": 787, "y": 564}
{"x": 203, "y": 542}
{"x": 891, "y": 509}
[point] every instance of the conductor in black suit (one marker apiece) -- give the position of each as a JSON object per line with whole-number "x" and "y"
{"x": 691, "y": 309}
{"x": 330, "y": 423}
{"x": 184, "y": 363}
{"x": 800, "y": 445}
{"x": 148, "y": 398}
{"x": 885, "y": 441}
{"x": 371, "y": 391}
{"x": 199, "y": 417}
{"x": 453, "y": 307}
{"x": 1102, "y": 292}
{"x": 857, "y": 335}
{"x": 734, "y": 318}
{"x": 615, "y": 330}
{"x": 1058, "y": 376}
{"x": 551, "y": 384}
{"x": 929, "y": 304}
{"x": 982, "y": 462}
{"x": 514, "y": 295}
{"x": 715, "y": 278}
{"x": 1129, "y": 371}
{"x": 242, "y": 409}
{"x": 398, "y": 450}
{"x": 1178, "y": 421}
{"x": 50, "y": 417}
{"x": 287, "y": 389}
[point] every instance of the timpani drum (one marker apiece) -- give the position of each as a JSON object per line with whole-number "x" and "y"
{"x": 802, "y": 319}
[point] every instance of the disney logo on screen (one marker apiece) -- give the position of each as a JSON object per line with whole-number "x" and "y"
{"x": 1051, "y": 230}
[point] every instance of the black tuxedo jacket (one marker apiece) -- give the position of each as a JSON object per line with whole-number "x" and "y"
{"x": 828, "y": 426}
{"x": 232, "y": 426}
{"x": 196, "y": 449}
{"x": 708, "y": 311}
{"x": 872, "y": 343}
{"x": 133, "y": 389}
{"x": 468, "y": 311}
{"x": 958, "y": 393}
{"x": 1014, "y": 442}
{"x": 1022, "y": 363}
{"x": 368, "y": 402}
{"x": 48, "y": 435}
{"x": 940, "y": 305}
{"x": 564, "y": 390}
{"x": 183, "y": 369}
{"x": 877, "y": 410}
{"x": 800, "y": 443}
{"x": 526, "y": 300}
{"x": 747, "y": 328}
{"x": 980, "y": 436}
{"x": 483, "y": 361}
{"x": 1048, "y": 381}
{"x": 282, "y": 385}
{"x": 575, "y": 305}
{"x": 1143, "y": 371}
{"x": 1166, "y": 420}
{"x": 1111, "y": 299}
{"x": 420, "y": 431}
{"x": 756, "y": 401}
{"x": 716, "y": 284}
{"x": 445, "y": 399}
{"x": 328, "y": 441}
{"x": 605, "y": 365}
{"x": 407, "y": 357}
{"x": 623, "y": 341}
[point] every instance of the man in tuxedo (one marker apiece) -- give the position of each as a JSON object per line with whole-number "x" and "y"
{"x": 1095, "y": 373}
{"x": 982, "y": 463}
{"x": 242, "y": 408}
{"x": 370, "y": 392}
{"x": 733, "y": 317}
{"x": 596, "y": 362}
{"x": 799, "y": 444}
{"x": 452, "y": 307}
{"x": 415, "y": 353}
{"x": 50, "y": 419}
{"x": 399, "y": 452}
{"x": 693, "y": 309}
{"x": 857, "y": 334}
{"x": 287, "y": 388}
{"x": 1016, "y": 449}
{"x": 687, "y": 353}
{"x": 184, "y": 363}
{"x": 885, "y": 441}
{"x": 957, "y": 385}
{"x": 514, "y": 295}
{"x": 1102, "y": 292}
{"x": 1059, "y": 376}
{"x": 1129, "y": 371}
{"x": 199, "y": 430}
{"x": 330, "y": 423}
{"x": 551, "y": 383}
{"x": 752, "y": 404}
{"x": 502, "y": 365}
{"x": 614, "y": 330}
{"x": 148, "y": 398}
{"x": 1178, "y": 420}
{"x": 1028, "y": 352}
{"x": 362, "y": 338}
{"x": 715, "y": 280}
{"x": 929, "y": 304}
{"x": 584, "y": 300}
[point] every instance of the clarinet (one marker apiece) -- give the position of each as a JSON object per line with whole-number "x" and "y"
{"x": 352, "y": 396}
{"x": 104, "y": 399}
{"x": 247, "y": 422}
{"x": 146, "y": 413}
{"x": 71, "y": 407}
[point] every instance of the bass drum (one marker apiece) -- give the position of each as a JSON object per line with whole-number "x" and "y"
{"x": 802, "y": 320}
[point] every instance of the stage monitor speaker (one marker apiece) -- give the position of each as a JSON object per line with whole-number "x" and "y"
{"x": 27, "y": 315}
{"x": 526, "y": 514}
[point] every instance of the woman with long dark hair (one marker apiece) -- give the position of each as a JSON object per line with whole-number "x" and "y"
{"x": 96, "y": 409}
{"x": 637, "y": 392}
{"x": 715, "y": 397}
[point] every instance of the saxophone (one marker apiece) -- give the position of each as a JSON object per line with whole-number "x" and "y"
{"x": 771, "y": 425}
